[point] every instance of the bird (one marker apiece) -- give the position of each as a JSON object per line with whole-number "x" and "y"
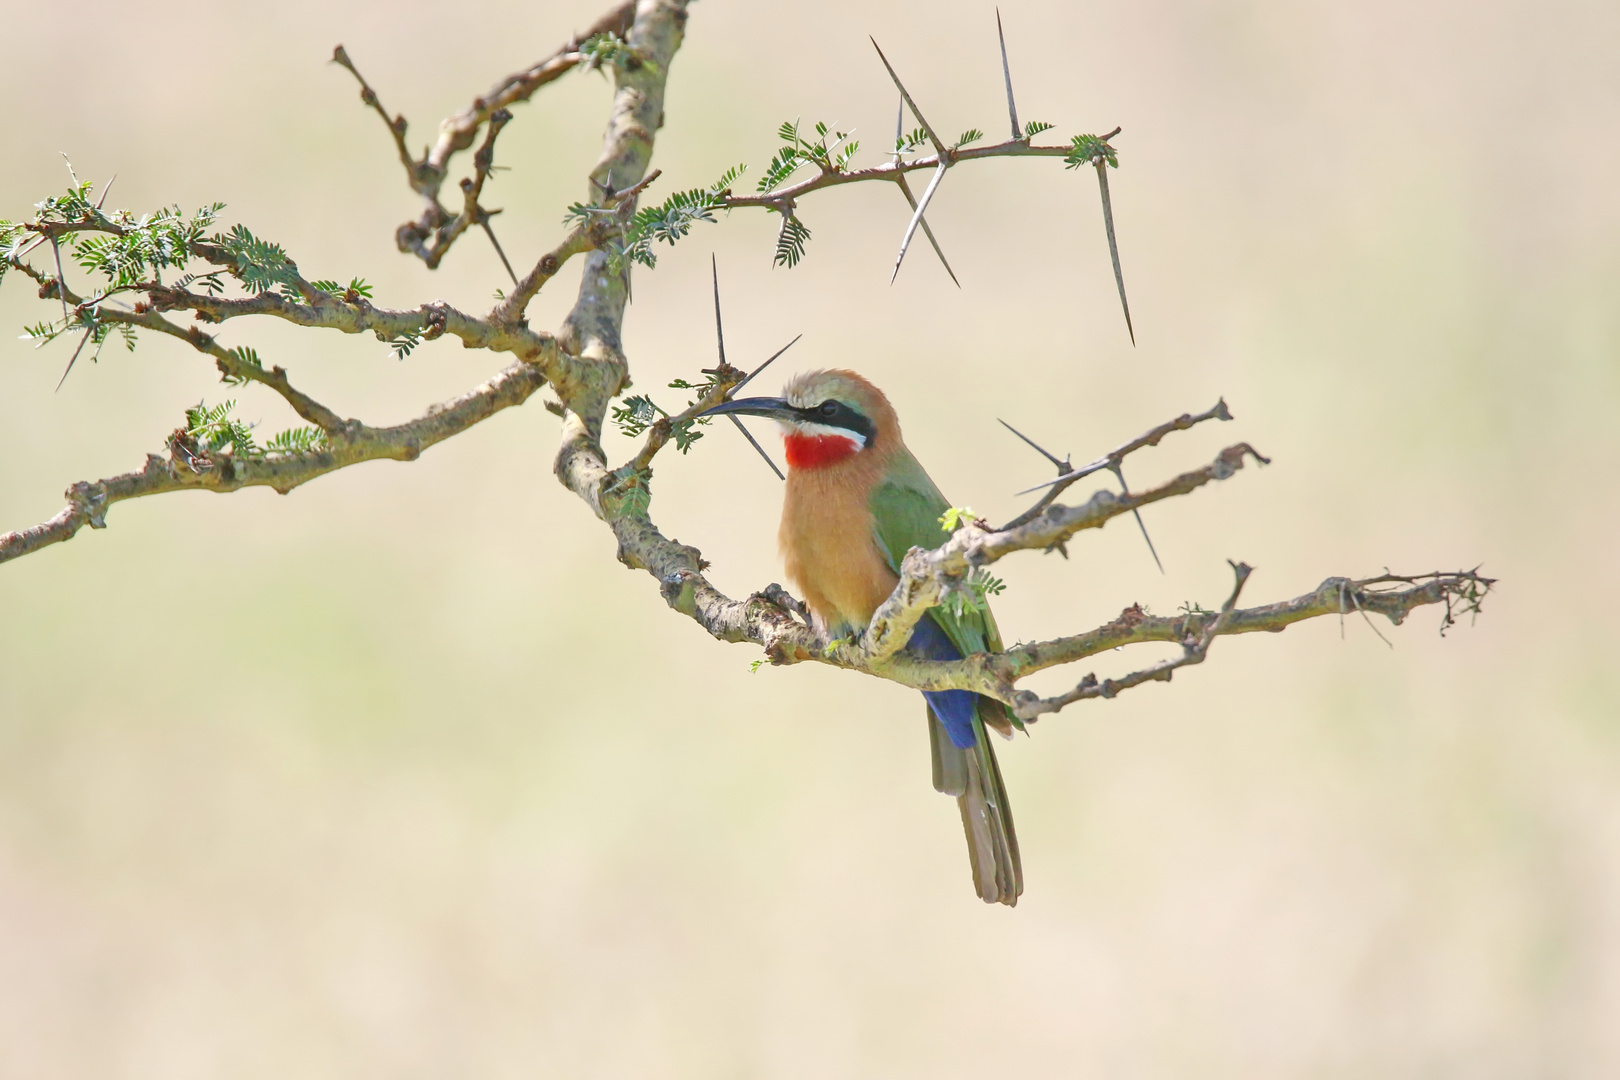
{"x": 856, "y": 501}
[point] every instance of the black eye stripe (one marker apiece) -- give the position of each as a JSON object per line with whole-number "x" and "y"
{"x": 834, "y": 413}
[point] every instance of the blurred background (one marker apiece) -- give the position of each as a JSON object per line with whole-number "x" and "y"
{"x": 403, "y": 775}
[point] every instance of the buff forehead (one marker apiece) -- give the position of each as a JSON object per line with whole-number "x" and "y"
{"x": 811, "y": 388}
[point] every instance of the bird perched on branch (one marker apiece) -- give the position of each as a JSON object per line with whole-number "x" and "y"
{"x": 856, "y": 502}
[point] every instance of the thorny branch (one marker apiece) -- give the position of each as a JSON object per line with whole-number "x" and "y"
{"x": 1194, "y": 647}
{"x": 430, "y": 236}
{"x": 928, "y": 576}
{"x": 585, "y": 365}
{"x": 893, "y": 171}
{"x": 183, "y": 468}
{"x": 1110, "y": 461}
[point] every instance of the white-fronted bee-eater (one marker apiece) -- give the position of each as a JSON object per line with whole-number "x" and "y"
{"x": 856, "y": 502}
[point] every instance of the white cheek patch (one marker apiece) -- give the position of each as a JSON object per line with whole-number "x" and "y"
{"x": 822, "y": 430}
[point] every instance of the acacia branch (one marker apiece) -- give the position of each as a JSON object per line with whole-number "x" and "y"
{"x": 894, "y": 171}
{"x": 780, "y": 624}
{"x": 926, "y": 577}
{"x": 472, "y": 189}
{"x": 183, "y": 468}
{"x": 348, "y": 442}
{"x": 588, "y": 237}
{"x": 503, "y": 330}
{"x": 1110, "y": 461}
{"x": 357, "y": 315}
{"x": 432, "y": 234}
{"x": 767, "y": 618}
{"x": 456, "y": 133}
{"x": 592, "y": 331}
{"x": 725, "y": 377}
{"x": 1194, "y": 647}
{"x": 1460, "y": 591}
{"x": 421, "y": 180}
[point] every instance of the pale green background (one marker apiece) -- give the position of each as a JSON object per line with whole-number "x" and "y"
{"x": 403, "y": 775}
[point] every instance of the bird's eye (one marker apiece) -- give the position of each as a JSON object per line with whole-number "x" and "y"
{"x": 828, "y": 408}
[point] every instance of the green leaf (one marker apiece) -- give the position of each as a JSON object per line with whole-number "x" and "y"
{"x": 247, "y": 356}
{"x": 1035, "y": 127}
{"x": 790, "y": 242}
{"x": 800, "y": 151}
{"x": 138, "y": 248}
{"x": 44, "y": 332}
{"x": 674, "y": 218}
{"x": 605, "y": 50}
{"x": 783, "y": 165}
{"x": 399, "y": 348}
{"x": 635, "y": 415}
{"x": 216, "y": 431}
{"x": 1088, "y": 150}
{"x": 356, "y": 287}
{"x": 955, "y": 517}
{"x": 970, "y": 135}
{"x": 686, "y": 432}
{"x": 972, "y": 593}
{"x": 260, "y": 264}
{"x": 909, "y": 142}
{"x": 299, "y": 440}
{"x": 578, "y": 215}
{"x": 631, "y": 495}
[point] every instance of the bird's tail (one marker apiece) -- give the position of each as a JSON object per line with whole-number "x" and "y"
{"x": 972, "y": 775}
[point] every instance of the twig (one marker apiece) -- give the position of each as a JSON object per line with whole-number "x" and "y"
{"x": 61, "y": 279}
{"x": 886, "y": 171}
{"x": 1031, "y": 706}
{"x": 426, "y": 176}
{"x": 88, "y": 502}
{"x": 1218, "y": 411}
{"x": 419, "y": 180}
{"x": 926, "y": 575}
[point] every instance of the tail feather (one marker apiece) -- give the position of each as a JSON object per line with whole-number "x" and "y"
{"x": 950, "y": 763}
{"x": 974, "y": 777}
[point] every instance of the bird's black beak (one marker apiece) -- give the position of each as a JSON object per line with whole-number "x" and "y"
{"x": 773, "y": 408}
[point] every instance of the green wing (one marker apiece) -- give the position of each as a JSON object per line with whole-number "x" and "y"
{"x": 906, "y": 508}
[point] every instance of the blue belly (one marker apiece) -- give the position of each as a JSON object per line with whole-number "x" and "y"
{"x": 954, "y": 708}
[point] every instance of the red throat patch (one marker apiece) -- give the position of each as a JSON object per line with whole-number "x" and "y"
{"x": 814, "y": 451}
